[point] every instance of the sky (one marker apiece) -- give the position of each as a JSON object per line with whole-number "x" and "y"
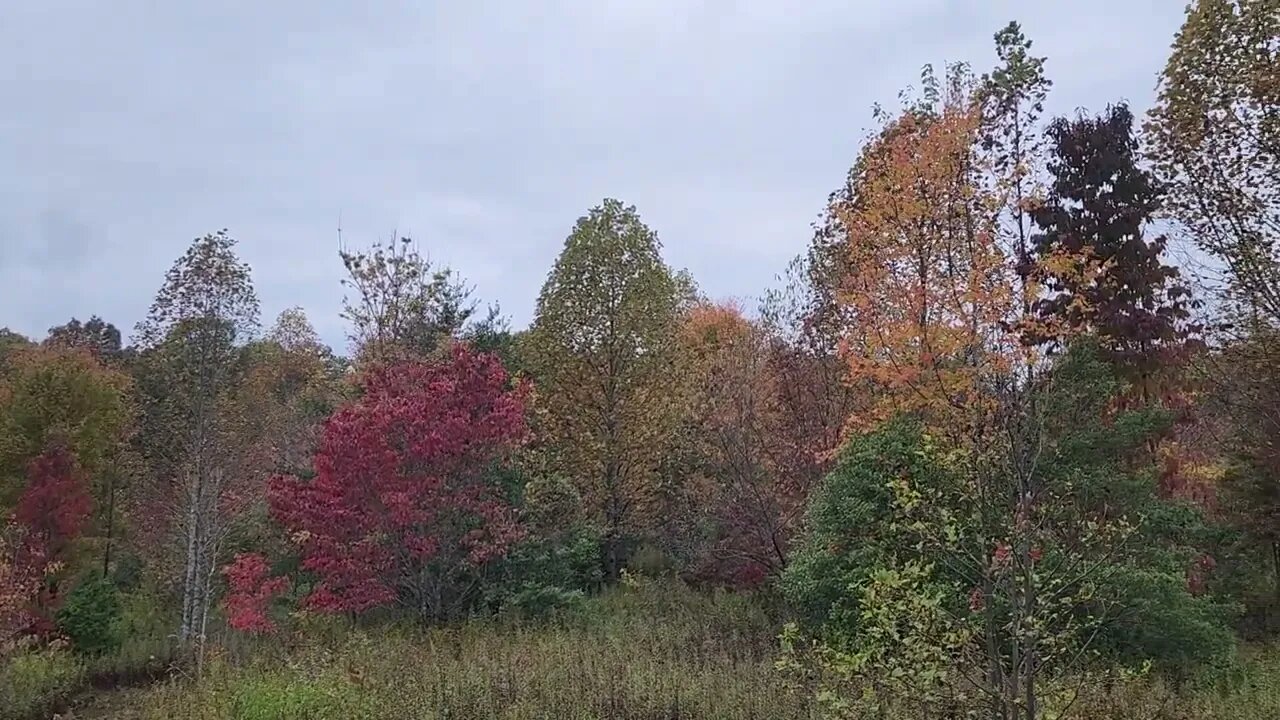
{"x": 482, "y": 129}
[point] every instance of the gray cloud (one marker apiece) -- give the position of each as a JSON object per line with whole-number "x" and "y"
{"x": 483, "y": 129}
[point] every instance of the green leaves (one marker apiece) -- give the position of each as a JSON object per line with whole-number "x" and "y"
{"x": 90, "y": 617}
{"x": 1215, "y": 137}
{"x": 602, "y": 353}
{"x": 929, "y": 569}
{"x": 402, "y": 305}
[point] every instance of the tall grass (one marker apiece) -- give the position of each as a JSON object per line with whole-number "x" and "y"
{"x": 33, "y": 683}
{"x": 649, "y": 653}
{"x": 36, "y": 682}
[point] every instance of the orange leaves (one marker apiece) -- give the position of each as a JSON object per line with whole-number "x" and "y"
{"x": 750, "y": 485}
{"x": 927, "y": 285}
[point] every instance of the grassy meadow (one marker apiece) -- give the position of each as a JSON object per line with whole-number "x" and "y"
{"x": 648, "y": 650}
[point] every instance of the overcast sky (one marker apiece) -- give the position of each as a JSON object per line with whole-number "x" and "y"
{"x": 483, "y": 129}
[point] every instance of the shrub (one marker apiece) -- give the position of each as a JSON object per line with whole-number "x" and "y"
{"x": 843, "y": 540}
{"x": 127, "y": 573}
{"x": 146, "y": 648}
{"x": 91, "y": 616}
{"x": 32, "y": 684}
{"x": 544, "y": 573}
{"x": 551, "y": 503}
{"x": 650, "y": 560}
{"x": 535, "y": 599}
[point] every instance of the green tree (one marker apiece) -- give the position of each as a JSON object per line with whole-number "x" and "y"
{"x": 1012, "y": 98}
{"x": 401, "y": 303}
{"x": 1215, "y": 137}
{"x": 291, "y": 383}
{"x": 1054, "y": 558}
{"x": 95, "y": 335}
{"x": 1244, "y": 387}
{"x": 601, "y": 351}
{"x": 202, "y": 315}
{"x": 9, "y": 342}
{"x": 90, "y": 617}
{"x": 66, "y": 397}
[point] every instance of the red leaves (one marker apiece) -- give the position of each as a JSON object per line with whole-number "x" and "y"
{"x": 1001, "y": 556}
{"x": 50, "y": 514}
{"x": 251, "y": 593}
{"x": 55, "y": 506}
{"x": 401, "y": 481}
{"x": 977, "y": 600}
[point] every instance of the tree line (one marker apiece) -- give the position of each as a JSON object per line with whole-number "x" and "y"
{"x": 986, "y": 439}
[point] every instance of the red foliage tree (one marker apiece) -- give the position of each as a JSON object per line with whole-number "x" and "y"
{"x": 56, "y": 504}
{"x": 50, "y": 514}
{"x": 749, "y": 490}
{"x": 251, "y": 592}
{"x": 404, "y": 504}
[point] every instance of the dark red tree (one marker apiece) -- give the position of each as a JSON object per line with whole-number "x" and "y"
{"x": 56, "y": 504}
{"x": 1103, "y": 269}
{"x": 405, "y": 506}
{"x": 50, "y": 514}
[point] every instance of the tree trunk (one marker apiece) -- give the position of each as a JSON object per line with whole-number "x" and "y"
{"x": 111, "y": 515}
{"x": 612, "y": 560}
{"x": 1275, "y": 561}
{"x": 189, "y": 569}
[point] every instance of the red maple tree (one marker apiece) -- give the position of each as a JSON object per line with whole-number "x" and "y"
{"x": 50, "y": 514}
{"x": 403, "y": 503}
{"x": 56, "y": 504}
{"x": 251, "y": 592}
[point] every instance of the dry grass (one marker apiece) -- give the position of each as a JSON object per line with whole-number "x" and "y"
{"x": 655, "y": 652}
{"x": 651, "y": 653}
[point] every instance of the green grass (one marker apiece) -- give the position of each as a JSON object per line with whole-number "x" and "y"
{"x": 658, "y": 651}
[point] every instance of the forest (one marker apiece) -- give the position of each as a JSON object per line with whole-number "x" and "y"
{"x": 1003, "y": 443}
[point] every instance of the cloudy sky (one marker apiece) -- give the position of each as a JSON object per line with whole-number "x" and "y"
{"x": 483, "y": 129}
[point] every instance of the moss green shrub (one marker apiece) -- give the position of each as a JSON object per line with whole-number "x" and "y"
{"x": 34, "y": 683}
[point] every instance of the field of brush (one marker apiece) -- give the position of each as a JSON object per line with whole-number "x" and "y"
{"x": 646, "y": 651}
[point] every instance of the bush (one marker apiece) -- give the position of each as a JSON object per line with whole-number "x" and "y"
{"x": 127, "y": 573}
{"x": 91, "y": 616}
{"x": 146, "y": 649}
{"x": 844, "y": 524}
{"x": 33, "y": 684}
{"x": 541, "y": 574}
{"x": 534, "y": 599}
{"x": 651, "y": 561}
{"x": 550, "y": 503}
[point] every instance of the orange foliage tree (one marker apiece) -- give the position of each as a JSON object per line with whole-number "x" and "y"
{"x": 927, "y": 286}
{"x": 749, "y": 491}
